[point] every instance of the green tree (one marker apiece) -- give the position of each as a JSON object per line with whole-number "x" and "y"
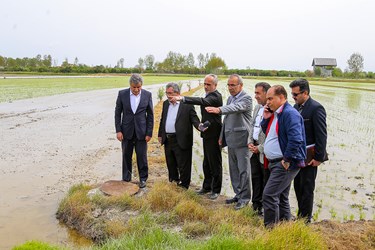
{"x": 337, "y": 72}
{"x": 355, "y": 64}
{"x": 47, "y": 60}
{"x": 2, "y": 61}
{"x": 215, "y": 64}
{"x": 317, "y": 71}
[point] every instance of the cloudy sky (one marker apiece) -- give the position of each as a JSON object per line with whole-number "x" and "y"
{"x": 267, "y": 34}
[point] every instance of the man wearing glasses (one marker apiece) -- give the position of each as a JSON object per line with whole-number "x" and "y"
{"x": 176, "y": 134}
{"x": 314, "y": 116}
{"x": 236, "y": 134}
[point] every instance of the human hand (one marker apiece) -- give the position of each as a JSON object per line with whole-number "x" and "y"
{"x": 314, "y": 163}
{"x": 148, "y": 138}
{"x": 220, "y": 142}
{"x": 267, "y": 112}
{"x": 213, "y": 110}
{"x": 254, "y": 149}
{"x": 119, "y": 136}
{"x": 159, "y": 139}
{"x": 285, "y": 164}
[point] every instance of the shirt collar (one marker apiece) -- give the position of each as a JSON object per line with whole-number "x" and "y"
{"x": 140, "y": 92}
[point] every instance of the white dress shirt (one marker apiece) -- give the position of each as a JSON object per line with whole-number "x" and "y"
{"x": 134, "y": 100}
{"x": 171, "y": 118}
{"x": 257, "y": 128}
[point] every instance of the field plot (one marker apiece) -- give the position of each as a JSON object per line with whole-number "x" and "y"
{"x": 345, "y": 185}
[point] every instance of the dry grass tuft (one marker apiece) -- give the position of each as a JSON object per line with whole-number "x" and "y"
{"x": 348, "y": 235}
{"x": 191, "y": 210}
{"x": 115, "y": 228}
{"x": 163, "y": 196}
{"x": 196, "y": 229}
{"x": 294, "y": 235}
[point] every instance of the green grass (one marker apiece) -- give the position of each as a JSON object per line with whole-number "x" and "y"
{"x": 16, "y": 89}
{"x": 36, "y": 245}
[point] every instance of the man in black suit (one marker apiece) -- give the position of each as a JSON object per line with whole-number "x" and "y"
{"x": 134, "y": 122}
{"x": 212, "y": 162}
{"x": 176, "y": 134}
{"x": 314, "y": 117}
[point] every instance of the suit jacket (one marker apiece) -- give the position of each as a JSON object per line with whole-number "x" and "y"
{"x": 261, "y": 136}
{"x": 186, "y": 117}
{"x": 314, "y": 118}
{"x": 237, "y": 131}
{"x": 213, "y": 99}
{"x": 141, "y": 122}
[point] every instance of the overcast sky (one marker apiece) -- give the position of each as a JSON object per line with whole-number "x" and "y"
{"x": 262, "y": 34}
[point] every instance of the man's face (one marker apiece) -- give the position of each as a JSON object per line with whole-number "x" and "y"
{"x": 170, "y": 93}
{"x": 135, "y": 88}
{"x": 299, "y": 97}
{"x": 260, "y": 95}
{"x": 209, "y": 85}
{"x": 233, "y": 86}
{"x": 274, "y": 101}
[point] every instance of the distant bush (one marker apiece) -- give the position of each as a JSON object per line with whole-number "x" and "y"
{"x": 337, "y": 72}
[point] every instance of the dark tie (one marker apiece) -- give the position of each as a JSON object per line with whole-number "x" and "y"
{"x": 300, "y": 108}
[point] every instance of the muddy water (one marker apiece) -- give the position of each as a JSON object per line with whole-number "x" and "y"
{"x": 49, "y": 144}
{"x": 345, "y": 184}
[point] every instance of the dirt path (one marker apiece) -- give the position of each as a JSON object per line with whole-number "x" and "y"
{"x": 47, "y": 145}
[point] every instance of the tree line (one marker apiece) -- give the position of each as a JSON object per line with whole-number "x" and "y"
{"x": 174, "y": 63}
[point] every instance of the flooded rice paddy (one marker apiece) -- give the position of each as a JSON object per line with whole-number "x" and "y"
{"x": 345, "y": 185}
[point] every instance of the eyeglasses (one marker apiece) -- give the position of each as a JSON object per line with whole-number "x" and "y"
{"x": 296, "y": 94}
{"x": 232, "y": 85}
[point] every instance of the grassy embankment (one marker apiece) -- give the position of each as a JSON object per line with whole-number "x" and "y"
{"x": 168, "y": 217}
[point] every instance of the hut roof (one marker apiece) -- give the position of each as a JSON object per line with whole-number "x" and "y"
{"x": 324, "y": 62}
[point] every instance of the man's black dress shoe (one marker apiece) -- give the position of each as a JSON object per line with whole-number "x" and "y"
{"x": 230, "y": 201}
{"x": 240, "y": 205}
{"x": 203, "y": 191}
{"x": 213, "y": 196}
{"x": 142, "y": 184}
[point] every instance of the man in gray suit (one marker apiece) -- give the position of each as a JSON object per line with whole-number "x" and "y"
{"x": 236, "y": 133}
{"x": 259, "y": 175}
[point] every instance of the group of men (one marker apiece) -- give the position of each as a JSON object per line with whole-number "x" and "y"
{"x": 267, "y": 148}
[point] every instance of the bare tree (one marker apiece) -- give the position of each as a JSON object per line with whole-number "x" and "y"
{"x": 355, "y": 64}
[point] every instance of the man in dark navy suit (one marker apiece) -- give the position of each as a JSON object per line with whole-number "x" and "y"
{"x": 314, "y": 118}
{"x": 134, "y": 122}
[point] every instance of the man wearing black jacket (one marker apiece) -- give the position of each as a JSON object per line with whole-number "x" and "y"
{"x": 314, "y": 117}
{"x": 212, "y": 161}
{"x": 176, "y": 134}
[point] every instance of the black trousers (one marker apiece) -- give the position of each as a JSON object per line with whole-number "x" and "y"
{"x": 212, "y": 165}
{"x": 178, "y": 162}
{"x": 127, "y": 155}
{"x": 259, "y": 177}
{"x": 304, "y": 186}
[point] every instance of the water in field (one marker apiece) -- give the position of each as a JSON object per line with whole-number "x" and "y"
{"x": 345, "y": 185}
